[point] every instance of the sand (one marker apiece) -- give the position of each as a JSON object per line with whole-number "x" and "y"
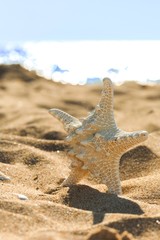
{"x": 32, "y": 154}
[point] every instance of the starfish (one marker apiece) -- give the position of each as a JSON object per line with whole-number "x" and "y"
{"x": 97, "y": 144}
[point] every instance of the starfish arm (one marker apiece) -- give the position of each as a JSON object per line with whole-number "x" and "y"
{"x": 75, "y": 176}
{"x": 104, "y": 110}
{"x": 69, "y": 122}
{"x": 107, "y": 172}
{"x": 112, "y": 179}
{"x": 102, "y": 117}
{"x": 129, "y": 140}
{"x": 106, "y": 102}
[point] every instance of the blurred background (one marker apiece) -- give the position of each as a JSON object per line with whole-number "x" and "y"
{"x": 79, "y": 41}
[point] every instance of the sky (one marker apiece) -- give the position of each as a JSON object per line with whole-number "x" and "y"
{"x": 52, "y": 20}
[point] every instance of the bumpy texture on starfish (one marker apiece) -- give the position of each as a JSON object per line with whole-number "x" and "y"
{"x": 97, "y": 144}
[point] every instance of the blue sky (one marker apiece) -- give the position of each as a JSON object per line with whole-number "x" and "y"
{"x": 37, "y": 20}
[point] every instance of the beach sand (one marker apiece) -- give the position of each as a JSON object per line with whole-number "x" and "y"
{"x": 32, "y": 154}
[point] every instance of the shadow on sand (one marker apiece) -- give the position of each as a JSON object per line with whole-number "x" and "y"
{"x": 87, "y": 198}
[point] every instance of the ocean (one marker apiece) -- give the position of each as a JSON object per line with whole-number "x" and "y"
{"x": 88, "y": 62}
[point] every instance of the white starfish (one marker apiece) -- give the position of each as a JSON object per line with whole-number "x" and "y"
{"x": 97, "y": 144}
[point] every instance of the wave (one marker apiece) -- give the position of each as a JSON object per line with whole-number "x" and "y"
{"x": 81, "y": 62}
